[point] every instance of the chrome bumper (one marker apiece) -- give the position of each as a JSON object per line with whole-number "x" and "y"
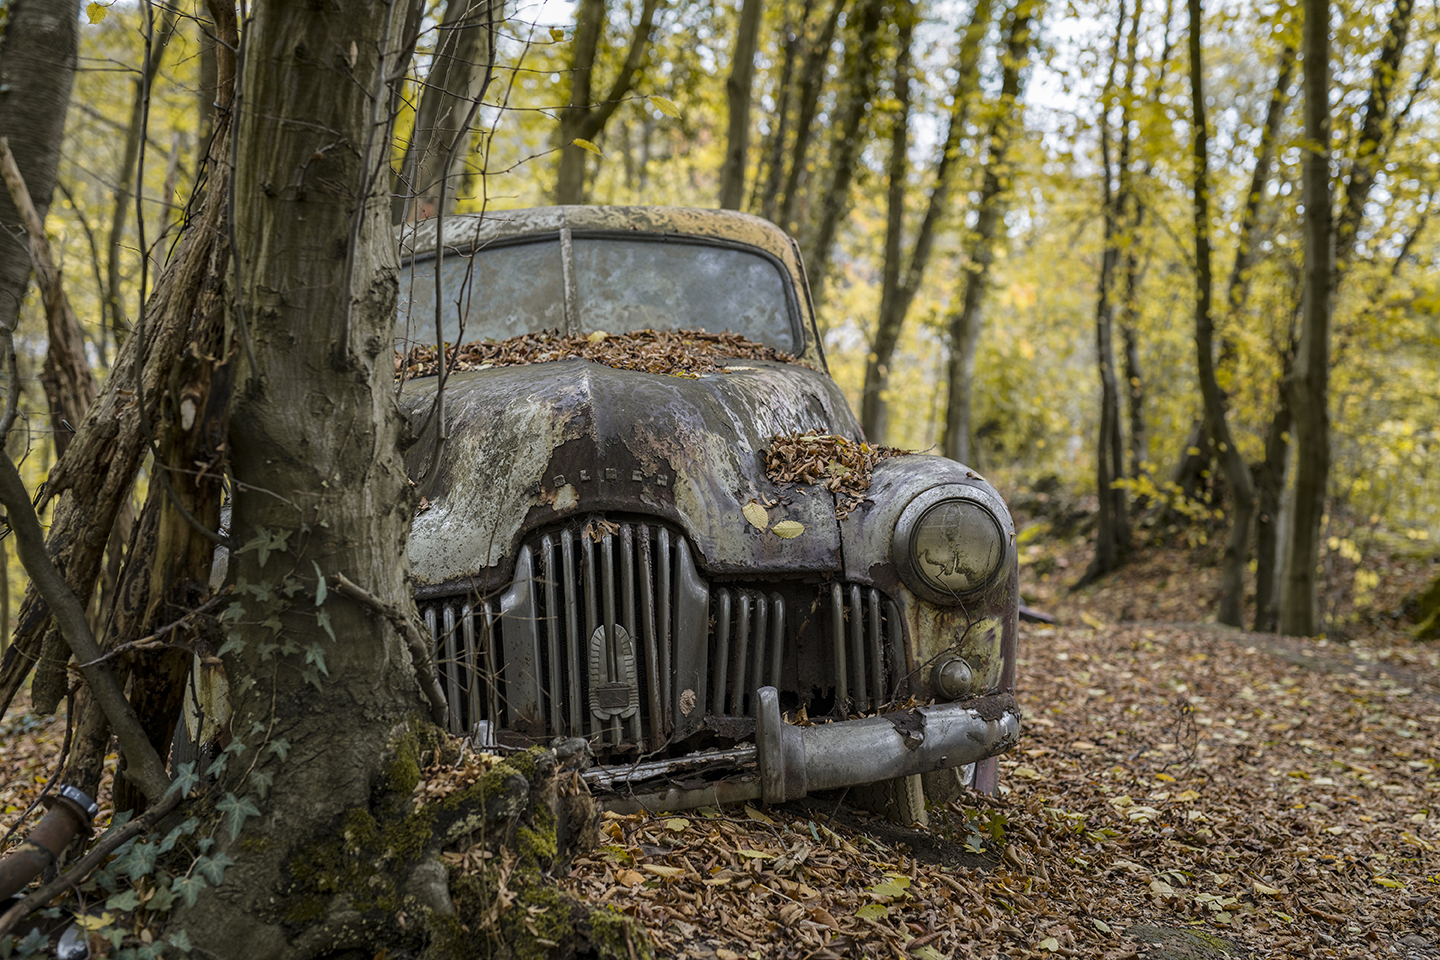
{"x": 790, "y": 761}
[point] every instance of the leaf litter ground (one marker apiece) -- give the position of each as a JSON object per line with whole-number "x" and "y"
{"x": 1278, "y": 794}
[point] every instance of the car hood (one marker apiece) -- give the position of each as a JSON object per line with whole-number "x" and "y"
{"x": 537, "y": 444}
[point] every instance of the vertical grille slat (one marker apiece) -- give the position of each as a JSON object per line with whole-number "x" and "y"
{"x": 837, "y": 632}
{"x": 857, "y": 648}
{"x": 452, "y": 668}
{"x": 742, "y": 650}
{"x": 722, "y": 649}
{"x": 877, "y": 657}
{"x": 777, "y": 639}
{"x": 647, "y": 626}
{"x": 573, "y": 646}
{"x": 550, "y": 576}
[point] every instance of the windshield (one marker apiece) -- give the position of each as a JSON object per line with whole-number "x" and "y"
{"x": 621, "y": 285}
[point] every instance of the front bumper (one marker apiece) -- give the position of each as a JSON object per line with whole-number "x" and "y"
{"x": 790, "y": 761}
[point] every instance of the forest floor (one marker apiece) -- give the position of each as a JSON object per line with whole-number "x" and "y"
{"x": 1182, "y": 790}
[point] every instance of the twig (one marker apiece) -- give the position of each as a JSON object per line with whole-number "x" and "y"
{"x": 162, "y": 631}
{"x": 143, "y": 764}
{"x": 102, "y": 849}
{"x": 424, "y": 668}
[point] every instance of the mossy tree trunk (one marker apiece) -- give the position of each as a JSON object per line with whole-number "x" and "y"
{"x": 321, "y": 687}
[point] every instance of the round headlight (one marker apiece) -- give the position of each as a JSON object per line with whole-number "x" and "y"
{"x": 948, "y": 547}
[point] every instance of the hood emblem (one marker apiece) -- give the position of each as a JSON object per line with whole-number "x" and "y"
{"x": 614, "y": 691}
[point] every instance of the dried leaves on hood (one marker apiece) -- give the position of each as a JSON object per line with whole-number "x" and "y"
{"x": 842, "y": 466}
{"x": 682, "y": 353}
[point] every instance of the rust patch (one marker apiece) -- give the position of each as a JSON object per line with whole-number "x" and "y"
{"x": 841, "y": 466}
{"x": 678, "y": 353}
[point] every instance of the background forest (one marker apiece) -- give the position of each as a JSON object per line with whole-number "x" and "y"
{"x": 1164, "y": 273}
{"x": 996, "y": 204}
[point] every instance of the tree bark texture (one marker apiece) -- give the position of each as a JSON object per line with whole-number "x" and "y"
{"x": 584, "y": 118}
{"x": 463, "y": 64}
{"x": 314, "y": 440}
{"x": 860, "y": 72}
{"x": 737, "y": 97}
{"x": 1237, "y": 471}
{"x": 1269, "y": 488}
{"x": 37, "y": 67}
{"x": 966, "y": 323}
{"x": 1310, "y": 391}
{"x": 1129, "y": 213}
{"x": 899, "y": 290}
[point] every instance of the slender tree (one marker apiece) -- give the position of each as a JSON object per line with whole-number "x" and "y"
{"x": 965, "y": 323}
{"x": 807, "y": 98}
{"x": 584, "y": 118}
{"x": 1309, "y": 395}
{"x": 861, "y": 72}
{"x": 1237, "y": 471}
{"x": 1112, "y": 528}
{"x": 737, "y": 97}
{"x": 450, "y": 98}
{"x": 901, "y": 282}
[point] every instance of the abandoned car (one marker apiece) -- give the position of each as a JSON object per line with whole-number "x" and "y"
{"x": 602, "y": 552}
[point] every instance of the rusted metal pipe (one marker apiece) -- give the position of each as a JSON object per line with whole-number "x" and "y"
{"x": 71, "y": 811}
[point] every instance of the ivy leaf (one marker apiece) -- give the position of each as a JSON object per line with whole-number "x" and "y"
{"x": 265, "y": 543}
{"x": 232, "y": 644}
{"x": 261, "y": 781}
{"x": 180, "y": 940}
{"x": 237, "y": 809}
{"x": 139, "y": 861}
{"x": 320, "y": 591}
{"x": 128, "y": 900}
{"x": 232, "y": 612}
{"x": 187, "y": 888}
{"x": 185, "y": 779}
{"x": 587, "y": 146}
{"x": 236, "y": 746}
{"x": 322, "y": 617}
{"x": 205, "y": 843}
{"x": 32, "y": 944}
{"x": 281, "y": 748}
{"x": 161, "y": 900}
{"x": 213, "y": 868}
{"x": 315, "y": 654}
{"x": 183, "y": 830}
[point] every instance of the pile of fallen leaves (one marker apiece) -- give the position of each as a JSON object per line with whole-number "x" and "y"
{"x": 842, "y": 466}
{"x": 1276, "y": 798}
{"x": 682, "y": 353}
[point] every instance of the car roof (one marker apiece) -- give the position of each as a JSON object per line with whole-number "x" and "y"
{"x": 466, "y": 230}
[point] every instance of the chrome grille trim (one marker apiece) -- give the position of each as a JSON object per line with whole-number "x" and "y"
{"x": 522, "y": 661}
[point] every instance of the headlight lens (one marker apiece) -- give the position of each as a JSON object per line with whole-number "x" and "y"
{"x": 948, "y": 547}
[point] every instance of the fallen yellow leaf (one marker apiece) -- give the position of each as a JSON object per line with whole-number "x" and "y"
{"x": 756, "y": 514}
{"x": 662, "y": 871}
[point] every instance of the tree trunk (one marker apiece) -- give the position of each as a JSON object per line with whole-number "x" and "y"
{"x": 1237, "y": 471}
{"x": 463, "y": 64}
{"x": 583, "y": 119}
{"x": 37, "y": 67}
{"x": 1269, "y": 488}
{"x": 737, "y": 96}
{"x": 1369, "y": 150}
{"x": 774, "y": 151}
{"x": 124, "y": 197}
{"x": 965, "y": 324}
{"x": 860, "y": 72}
{"x": 1129, "y": 214}
{"x": 812, "y": 82}
{"x": 1112, "y": 526}
{"x": 1310, "y": 393}
{"x": 899, "y": 291}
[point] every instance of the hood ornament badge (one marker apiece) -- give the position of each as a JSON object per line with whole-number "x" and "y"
{"x": 614, "y": 691}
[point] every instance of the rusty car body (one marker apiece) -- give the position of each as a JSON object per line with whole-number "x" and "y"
{"x": 584, "y": 561}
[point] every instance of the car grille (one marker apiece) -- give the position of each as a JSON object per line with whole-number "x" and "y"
{"x": 609, "y": 631}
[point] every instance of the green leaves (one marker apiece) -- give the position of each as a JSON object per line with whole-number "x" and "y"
{"x": 266, "y": 542}
{"x": 213, "y": 868}
{"x": 237, "y": 810}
